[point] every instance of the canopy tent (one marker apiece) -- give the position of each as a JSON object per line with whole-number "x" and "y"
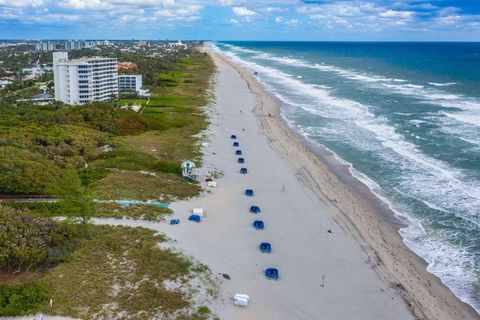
{"x": 174, "y": 221}
{"x": 198, "y": 212}
{"x": 265, "y": 247}
{"x": 233, "y": 136}
{"x": 258, "y": 224}
{"x": 238, "y": 152}
{"x": 194, "y": 218}
{"x": 249, "y": 192}
{"x": 241, "y": 300}
{"x": 236, "y": 144}
{"x": 255, "y": 209}
{"x": 243, "y": 170}
{"x": 241, "y": 160}
{"x": 271, "y": 273}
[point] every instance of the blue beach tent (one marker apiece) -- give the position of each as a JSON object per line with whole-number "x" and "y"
{"x": 241, "y": 160}
{"x": 236, "y": 144}
{"x": 265, "y": 247}
{"x": 249, "y": 192}
{"x": 174, "y": 221}
{"x": 271, "y": 273}
{"x": 233, "y": 136}
{"x": 258, "y": 224}
{"x": 194, "y": 218}
{"x": 238, "y": 152}
{"x": 243, "y": 170}
{"x": 255, "y": 209}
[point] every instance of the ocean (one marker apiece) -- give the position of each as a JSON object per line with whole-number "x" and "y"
{"x": 406, "y": 118}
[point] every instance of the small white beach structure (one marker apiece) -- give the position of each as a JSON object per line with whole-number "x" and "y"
{"x": 198, "y": 212}
{"x": 241, "y": 300}
{"x": 212, "y": 184}
{"x": 189, "y": 170}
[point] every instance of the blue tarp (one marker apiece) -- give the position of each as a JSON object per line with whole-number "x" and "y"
{"x": 265, "y": 247}
{"x": 194, "y": 218}
{"x": 258, "y": 224}
{"x": 238, "y": 152}
{"x": 243, "y": 170}
{"x": 241, "y": 160}
{"x": 174, "y": 221}
{"x": 141, "y": 203}
{"x": 236, "y": 144}
{"x": 249, "y": 193}
{"x": 255, "y": 209}
{"x": 271, "y": 273}
{"x": 233, "y": 136}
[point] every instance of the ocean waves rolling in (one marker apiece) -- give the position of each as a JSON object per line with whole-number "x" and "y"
{"x": 410, "y": 135}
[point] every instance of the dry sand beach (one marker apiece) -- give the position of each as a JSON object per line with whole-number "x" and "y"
{"x": 359, "y": 270}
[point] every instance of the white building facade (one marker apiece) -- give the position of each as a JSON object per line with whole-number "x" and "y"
{"x": 81, "y": 81}
{"x": 129, "y": 82}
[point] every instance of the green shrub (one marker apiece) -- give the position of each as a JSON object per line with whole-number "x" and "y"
{"x": 168, "y": 167}
{"x": 22, "y": 300}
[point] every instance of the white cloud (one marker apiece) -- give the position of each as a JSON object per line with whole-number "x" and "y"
{"x": 243, "y": 12}
{"x": 21, "y": 3}
{"x": 397, "y": 14}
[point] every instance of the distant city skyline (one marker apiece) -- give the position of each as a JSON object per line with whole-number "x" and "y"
{"x": 395, "y": 20}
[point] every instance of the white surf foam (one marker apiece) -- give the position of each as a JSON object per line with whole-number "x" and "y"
{"x": 447, "y": 84}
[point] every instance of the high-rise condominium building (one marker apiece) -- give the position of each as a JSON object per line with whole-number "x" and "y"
{"x": 80, "y": 81}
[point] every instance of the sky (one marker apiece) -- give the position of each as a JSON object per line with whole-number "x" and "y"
{"x": 311, "y": 20}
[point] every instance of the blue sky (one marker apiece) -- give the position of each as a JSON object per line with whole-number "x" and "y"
{"x": 435, "y": 20}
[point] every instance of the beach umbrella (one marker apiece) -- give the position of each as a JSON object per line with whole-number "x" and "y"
{"x": 258, "y": 224}
{"x": 265, "y": 247}
{"x": 255, "y": 209}
{"x": 271, "y": 273}
{"x": 194, "y": 218}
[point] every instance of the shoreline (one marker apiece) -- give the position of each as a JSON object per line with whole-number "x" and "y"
{"x": 369, "y": 219}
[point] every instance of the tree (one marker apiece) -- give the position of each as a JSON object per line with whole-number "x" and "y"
{"x": 77, "y": 201}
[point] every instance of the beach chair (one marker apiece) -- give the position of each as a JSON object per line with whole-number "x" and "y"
{"x": 194, "y": 218}
{"x": 243, "y": 170}
{"x": 265, "y": 247}
{"x": 174, "y": 221}
{"x": 271, "y": 273}
{"x": 258, "y": 225}
{"x": 236, "y": 144}
{"x": 255, "y": 209}
{"x": 241, "y": 160}
{"x": 238, "y": 152}
{"x": 233, "y": 136}
{"x": 249, "y": 192}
